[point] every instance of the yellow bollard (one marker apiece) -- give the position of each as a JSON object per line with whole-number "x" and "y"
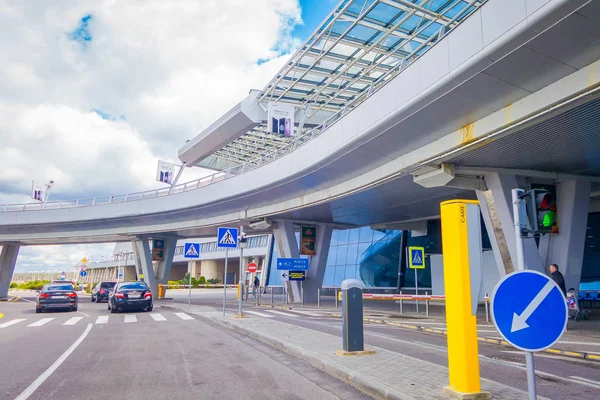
{"x": 238, "y": 291}
{"x": 463, "y": 352}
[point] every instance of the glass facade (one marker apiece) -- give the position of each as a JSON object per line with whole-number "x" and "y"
{"x": 590, "y": 271}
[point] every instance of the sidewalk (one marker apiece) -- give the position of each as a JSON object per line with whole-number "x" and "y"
{"x": 386, "y": 374}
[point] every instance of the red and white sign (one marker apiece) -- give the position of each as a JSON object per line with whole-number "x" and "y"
{"x": 252, "y": 267}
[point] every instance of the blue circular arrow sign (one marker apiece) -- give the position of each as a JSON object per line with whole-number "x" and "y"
{"x": 529, "y": 310}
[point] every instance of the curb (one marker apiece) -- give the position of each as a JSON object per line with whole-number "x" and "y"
{"x": 500, "y": 342}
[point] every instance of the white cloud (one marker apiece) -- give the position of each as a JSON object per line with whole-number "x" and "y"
{"x": 160, "y": 71}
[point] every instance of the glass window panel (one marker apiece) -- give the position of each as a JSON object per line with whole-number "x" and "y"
{"x": 353, "y": 235}
{"x": 359, "y": 6}
{"x": 340, "y": 275}
{"x": 352, "y": 254}
{"x": 343, "y": 237}
{"x": 341, "y": 255}
{"x": 331, "y": 256}
{"x": 335, "y": 237}
{"x": 383, "y": 12}
{"x": 365, "y": 235}
{"x": 362, "y": 33}
{"x": 378, "y": 235}
{"x": 329, "y": 276}
{"x": 352, "y": 272}
{"x": 362, "y": 249}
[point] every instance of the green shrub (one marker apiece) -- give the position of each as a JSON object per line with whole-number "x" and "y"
{"x": 202, "y": 280}
{"x": 14, "y": 285}
{"x": 173, "y": 285}
{"x": 213, "y": 281}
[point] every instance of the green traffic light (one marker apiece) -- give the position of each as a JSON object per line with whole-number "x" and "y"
{"x": 548, "y": 219}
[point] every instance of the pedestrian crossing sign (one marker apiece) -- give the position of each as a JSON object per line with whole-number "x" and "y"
{"x": 227, "y": 237}
{"x": 191, "y": 250}
{"x": 416, "y": 257}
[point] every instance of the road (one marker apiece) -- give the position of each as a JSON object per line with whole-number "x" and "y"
{"x": 164, "y": 354}
{"x": 558, "y": 377}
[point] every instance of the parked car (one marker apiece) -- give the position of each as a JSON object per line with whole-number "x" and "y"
{"x": 101, "y": 290}
{"x": 56, "y": 296}
{"x": 130, "y": 296}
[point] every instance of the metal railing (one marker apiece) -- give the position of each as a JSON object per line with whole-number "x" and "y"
{"x": 304, "y": 137}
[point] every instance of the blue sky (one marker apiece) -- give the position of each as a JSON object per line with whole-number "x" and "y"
{"x": 313, "y": 13}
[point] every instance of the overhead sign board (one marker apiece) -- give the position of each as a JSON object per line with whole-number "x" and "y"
{"x": 529, "y": 310}
{"x": 308, "y": 240}
{"x": 227, "y": 238}
{"x": 297, "y": 275}
{"x": 191, "y": 250}
{"x": 158, "y": 250}
{"x": 416, "y": 257}
{"x": 292, "y": 264}
{"x": 280, "y": 118}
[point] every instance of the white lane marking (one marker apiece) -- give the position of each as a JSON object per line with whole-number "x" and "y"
{"x": 130, "y": 318}
{"x": 82, "y": 313}
{"x": 73, "y": 321}
{"x": 9, "y": 323}
{"x": 29, "y": 301}
{"x": 36, "y": 384}
{"x": 158, "y": 317}
{"x": 103, "y": 319}
{"x": 183, "y": 316}
{"x": 259, "y": 314}
{"x": 41, "y": 322}
{"x": 591, "y": 382}
{"x": 310, "y": 314}
{"x": 282, "y": 313}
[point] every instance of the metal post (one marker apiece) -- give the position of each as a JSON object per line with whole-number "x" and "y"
{"x": 225, "y": 280}
{"x": 336, "y": 298}
{"x": 518, "y": 203}
{"x": 189, "y": 283}
{"x": 530, "y": 375}
{"x": 427, "y": 304}
{"x": 177, "y": 177}
{"x": 487, "y": 308}
{"x": 319, "y": 297}
{"x": 416, "y": 291}
{"x": 271, "y": 294}
{"x": 241, "y": 270}
{"x": 302, "y": 291}
{"x": 285, "y": 292}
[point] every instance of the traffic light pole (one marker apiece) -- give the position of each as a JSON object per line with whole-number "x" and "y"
{"x": 518, "y": 205}
{"x": 242, "y": 244}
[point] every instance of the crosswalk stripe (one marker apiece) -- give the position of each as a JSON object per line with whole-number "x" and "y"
{"x": 9, "y": 323}
{"x": 130, "y": 318}
{"x": 41, "y": 322}
{"x": 183, "y": 316}
{"x": 282, "y": 313}
{"x": 259, "y": 314}
{"x": 73, "y": 321}
{"x": 103, "y": 319}
{"x": 158, "y": 317}
{"x": 310, "y": 314}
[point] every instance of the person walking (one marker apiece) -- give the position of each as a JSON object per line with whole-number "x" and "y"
{"x": 256, "y": 285}
{"x": 558, "y": 278}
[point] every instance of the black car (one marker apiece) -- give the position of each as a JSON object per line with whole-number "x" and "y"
{"x": 55, "y": 296}
{"x": 130, "y": 296}
{"x": 101, "y": 290}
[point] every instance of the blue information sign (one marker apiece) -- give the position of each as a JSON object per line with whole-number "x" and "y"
{"x": 83, "y": 273}
{"x": 292, "y": 264}
{"x": 529, "y": 310}
{"x": 191, "y": 250}
{"x": 227, "y": 237}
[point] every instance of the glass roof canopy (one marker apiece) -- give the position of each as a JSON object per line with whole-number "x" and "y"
{"x": 359, "y": 47}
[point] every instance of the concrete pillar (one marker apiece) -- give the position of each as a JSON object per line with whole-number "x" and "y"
{"x": 163, "y": 268}
{"x": 565, "y": 248}
{"x": 8, "y": 260}
{"x": 287, "y": 244}
{"x": 318, "y": 262}
{"x": 496, "y": 208}
{"x": 144, "y": 258}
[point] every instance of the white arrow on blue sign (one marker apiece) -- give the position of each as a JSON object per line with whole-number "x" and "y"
{"x": 529, "y": 310}
{"x": 83, "y": 273}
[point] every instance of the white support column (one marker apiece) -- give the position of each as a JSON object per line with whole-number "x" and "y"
{"x": 318, "y": 262}
{"x": 8, "y": 260}
{"x": 565, "y": 249}
{"x": 142, "y": 250}
{"x": 496, "y": 206}
{"x": 287, "y": 244}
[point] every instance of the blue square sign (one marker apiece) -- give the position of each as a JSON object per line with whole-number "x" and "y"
{"x": 227, "y": 237}
{"x": 191, "y": 250}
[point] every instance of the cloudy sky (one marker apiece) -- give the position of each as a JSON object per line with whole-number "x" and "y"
{"x": 93, "y": 93}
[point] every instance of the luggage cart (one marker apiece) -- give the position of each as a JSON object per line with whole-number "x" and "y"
{"x": 573, "y": 306}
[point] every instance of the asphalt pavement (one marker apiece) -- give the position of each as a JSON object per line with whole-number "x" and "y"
{"x": 162, "y": 354}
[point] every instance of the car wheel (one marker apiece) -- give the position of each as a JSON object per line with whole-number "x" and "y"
{"x": 97, "y": 300}
{"x": 74, "y": 309}
{"x": 92, "y": 298}
{"x": 148, "y": 309}
{"x": 113, "y": 310}
{"x": 38, "y": 310}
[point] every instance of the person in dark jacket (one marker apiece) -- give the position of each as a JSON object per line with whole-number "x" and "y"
{"x": 558, "y": 278}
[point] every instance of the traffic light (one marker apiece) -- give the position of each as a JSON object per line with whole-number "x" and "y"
{"x": 542, "y": 211}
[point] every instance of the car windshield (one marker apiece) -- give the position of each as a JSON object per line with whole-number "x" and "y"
{"x": 107, "y": 285}
{"x": 133, "y": 285}
{"x": 50, "y": 288}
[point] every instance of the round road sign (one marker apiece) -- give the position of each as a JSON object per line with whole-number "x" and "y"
{"x": 252, "y": 267}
